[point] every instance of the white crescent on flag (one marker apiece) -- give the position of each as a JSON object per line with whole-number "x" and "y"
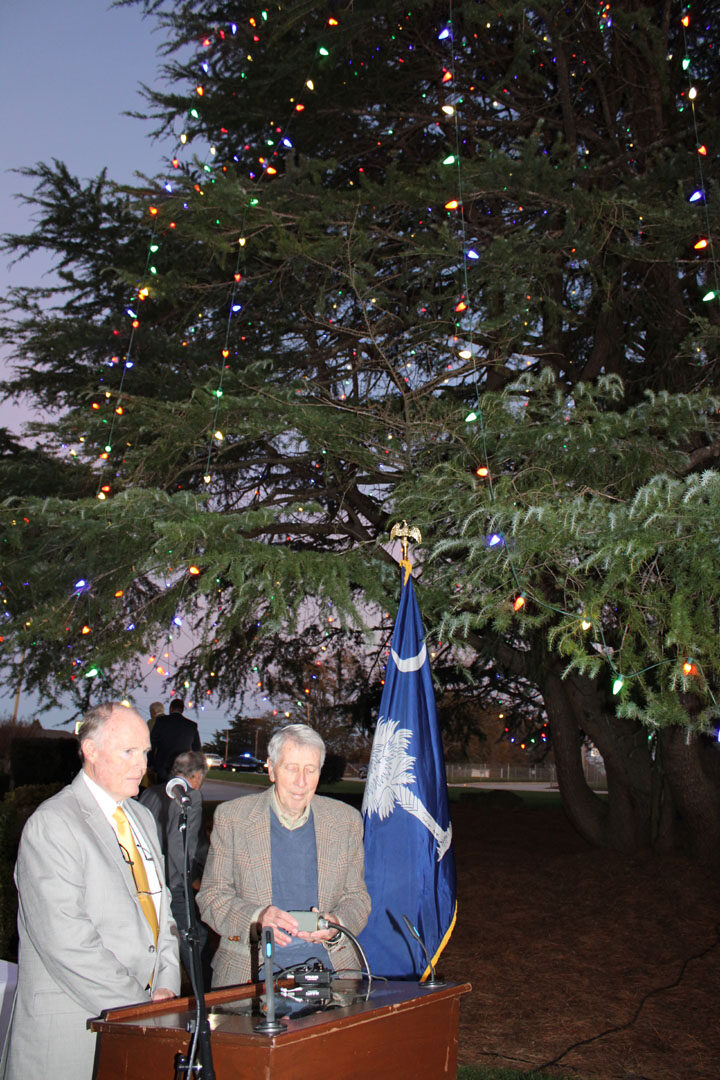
{"x": 411, "y": 663}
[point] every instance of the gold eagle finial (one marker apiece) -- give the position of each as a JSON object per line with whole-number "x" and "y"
{"x": 404, "y": 533}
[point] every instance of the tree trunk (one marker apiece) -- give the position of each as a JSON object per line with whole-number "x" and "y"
{"x": 663, "y": 791}
{"x": 636, "y": 814}
{"x": 696, "y": 792}
{"x": 587, "y": 811}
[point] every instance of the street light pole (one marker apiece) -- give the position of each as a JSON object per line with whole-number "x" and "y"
{"x": 17, "y": 693}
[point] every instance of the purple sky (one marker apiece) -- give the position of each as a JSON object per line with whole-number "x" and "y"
{"x": 68, "y": 69}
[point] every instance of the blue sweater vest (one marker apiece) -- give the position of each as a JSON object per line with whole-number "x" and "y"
{"x": 293, "y": 854}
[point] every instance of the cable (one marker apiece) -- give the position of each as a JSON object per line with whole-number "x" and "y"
{"x": 651, "y": 993}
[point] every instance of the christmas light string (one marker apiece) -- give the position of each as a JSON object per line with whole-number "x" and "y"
{"x": 283, "y": 140}
{"x": 450, "y": 108}
{"x": 705, "y": 242}
{"x": 141, "y": 294}
{"x": 217, "y": 437}
{"x": 268, "y": 170}
{"x": 104, "y": 489}
{"x": 464, "y": 299}
{"x": 690, "y": 668}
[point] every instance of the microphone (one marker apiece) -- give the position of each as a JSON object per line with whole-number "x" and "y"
{"x": 177, "y": 789}
{"x": 433, "y": 983}
{"x": 269, "y": 1026}
{"x": 325, "y": 924}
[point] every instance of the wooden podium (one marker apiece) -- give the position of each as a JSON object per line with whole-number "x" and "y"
{"x": 401, "y": 1031}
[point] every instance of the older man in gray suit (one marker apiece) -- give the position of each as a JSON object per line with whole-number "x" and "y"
{"x": 94, "y": 914}
{"x": 282, "y": 850}
{"x": 192, "y": 767}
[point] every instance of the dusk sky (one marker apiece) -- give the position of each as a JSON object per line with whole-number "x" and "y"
{"x": 68, "y": 70}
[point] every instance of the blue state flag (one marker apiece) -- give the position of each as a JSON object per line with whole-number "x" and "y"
{"x": 409, "y": 858}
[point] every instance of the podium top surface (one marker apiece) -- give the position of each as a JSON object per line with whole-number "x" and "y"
{"x": 234, "y": 1011}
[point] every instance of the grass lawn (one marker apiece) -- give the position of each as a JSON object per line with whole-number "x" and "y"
{"x": 501, "y": 793}
{"x": 477, "y": 1072}
{"x": 239, "y": 777}
{"x": 572, "y": 948}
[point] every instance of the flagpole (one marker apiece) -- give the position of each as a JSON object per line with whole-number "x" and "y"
{"x": 409, "y": 857}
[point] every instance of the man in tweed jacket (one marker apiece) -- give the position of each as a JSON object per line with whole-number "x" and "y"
{"x": 242, "y": 883}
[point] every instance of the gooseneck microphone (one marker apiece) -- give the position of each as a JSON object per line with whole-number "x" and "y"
{"x": 325, "y": 924}
{"x": 433, "y": 983}
{"x": 269, "y": 1026}
{"x": 177, "y": 789}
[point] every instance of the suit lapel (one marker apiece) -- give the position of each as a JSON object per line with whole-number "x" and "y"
{"x": 325, "y": 847}
{"x": 107, "y": 837}
{"x": 258, "y": 845}
{"x": 257, "y": 842}
{"x": 102, "y": 829}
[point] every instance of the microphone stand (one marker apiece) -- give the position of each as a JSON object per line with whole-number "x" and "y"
{"x": 198, "y": 1063}
{"x": 269, "y": 1025}
{"x": 433, "y": 983}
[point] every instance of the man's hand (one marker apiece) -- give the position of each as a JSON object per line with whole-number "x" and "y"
{"x": 283, "y": 924}
{"x": 320, "y": 935}
{"x": 162, "y": 994}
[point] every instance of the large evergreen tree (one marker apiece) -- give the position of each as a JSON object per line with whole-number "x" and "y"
{"x": 392, "y": 213}
{"x": 581, "y": 555}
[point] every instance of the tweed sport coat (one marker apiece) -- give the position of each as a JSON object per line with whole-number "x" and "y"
{"x": 238, "y": 880}
{"x": 85, "y": 944}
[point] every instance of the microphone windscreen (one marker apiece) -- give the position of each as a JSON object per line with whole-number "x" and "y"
{"x": 178, "y": 785}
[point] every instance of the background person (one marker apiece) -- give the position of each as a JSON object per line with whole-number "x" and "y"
{"x": 281, "y": 850}
{"x": 192, "y": 766}
{"x": 156, "y": 709}
{"x": 94, "y": 932}
{"x": 170, "y": 736}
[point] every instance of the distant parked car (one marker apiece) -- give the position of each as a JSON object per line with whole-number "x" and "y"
{"x": 214, "y": 761}
{"x": 244, "y": 763}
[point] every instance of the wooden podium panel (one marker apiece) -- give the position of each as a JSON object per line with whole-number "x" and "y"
{"x": 401, "y": 1031}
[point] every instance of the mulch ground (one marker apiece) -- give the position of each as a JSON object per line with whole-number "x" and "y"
{"x": 606, "y": 965}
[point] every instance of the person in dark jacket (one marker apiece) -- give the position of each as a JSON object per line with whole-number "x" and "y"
{"x": 192, "y": 767}
{"x": 171, "y": 735}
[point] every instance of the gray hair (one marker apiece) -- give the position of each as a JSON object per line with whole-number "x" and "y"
{"x": 188, "y": 763}
{"x": 95, "y": 719}
{"x": 302, "y": 734}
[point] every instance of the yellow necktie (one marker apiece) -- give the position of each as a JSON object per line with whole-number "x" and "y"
{"x": 137, "y": 866}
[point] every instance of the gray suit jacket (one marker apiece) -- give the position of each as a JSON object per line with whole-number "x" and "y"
{"x": 238, "y": 879}
{"x": 85, "y": 944}
{"x": 167, "y": 817}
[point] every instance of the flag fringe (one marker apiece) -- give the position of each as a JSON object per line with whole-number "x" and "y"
{"x": 426, "y": 974}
